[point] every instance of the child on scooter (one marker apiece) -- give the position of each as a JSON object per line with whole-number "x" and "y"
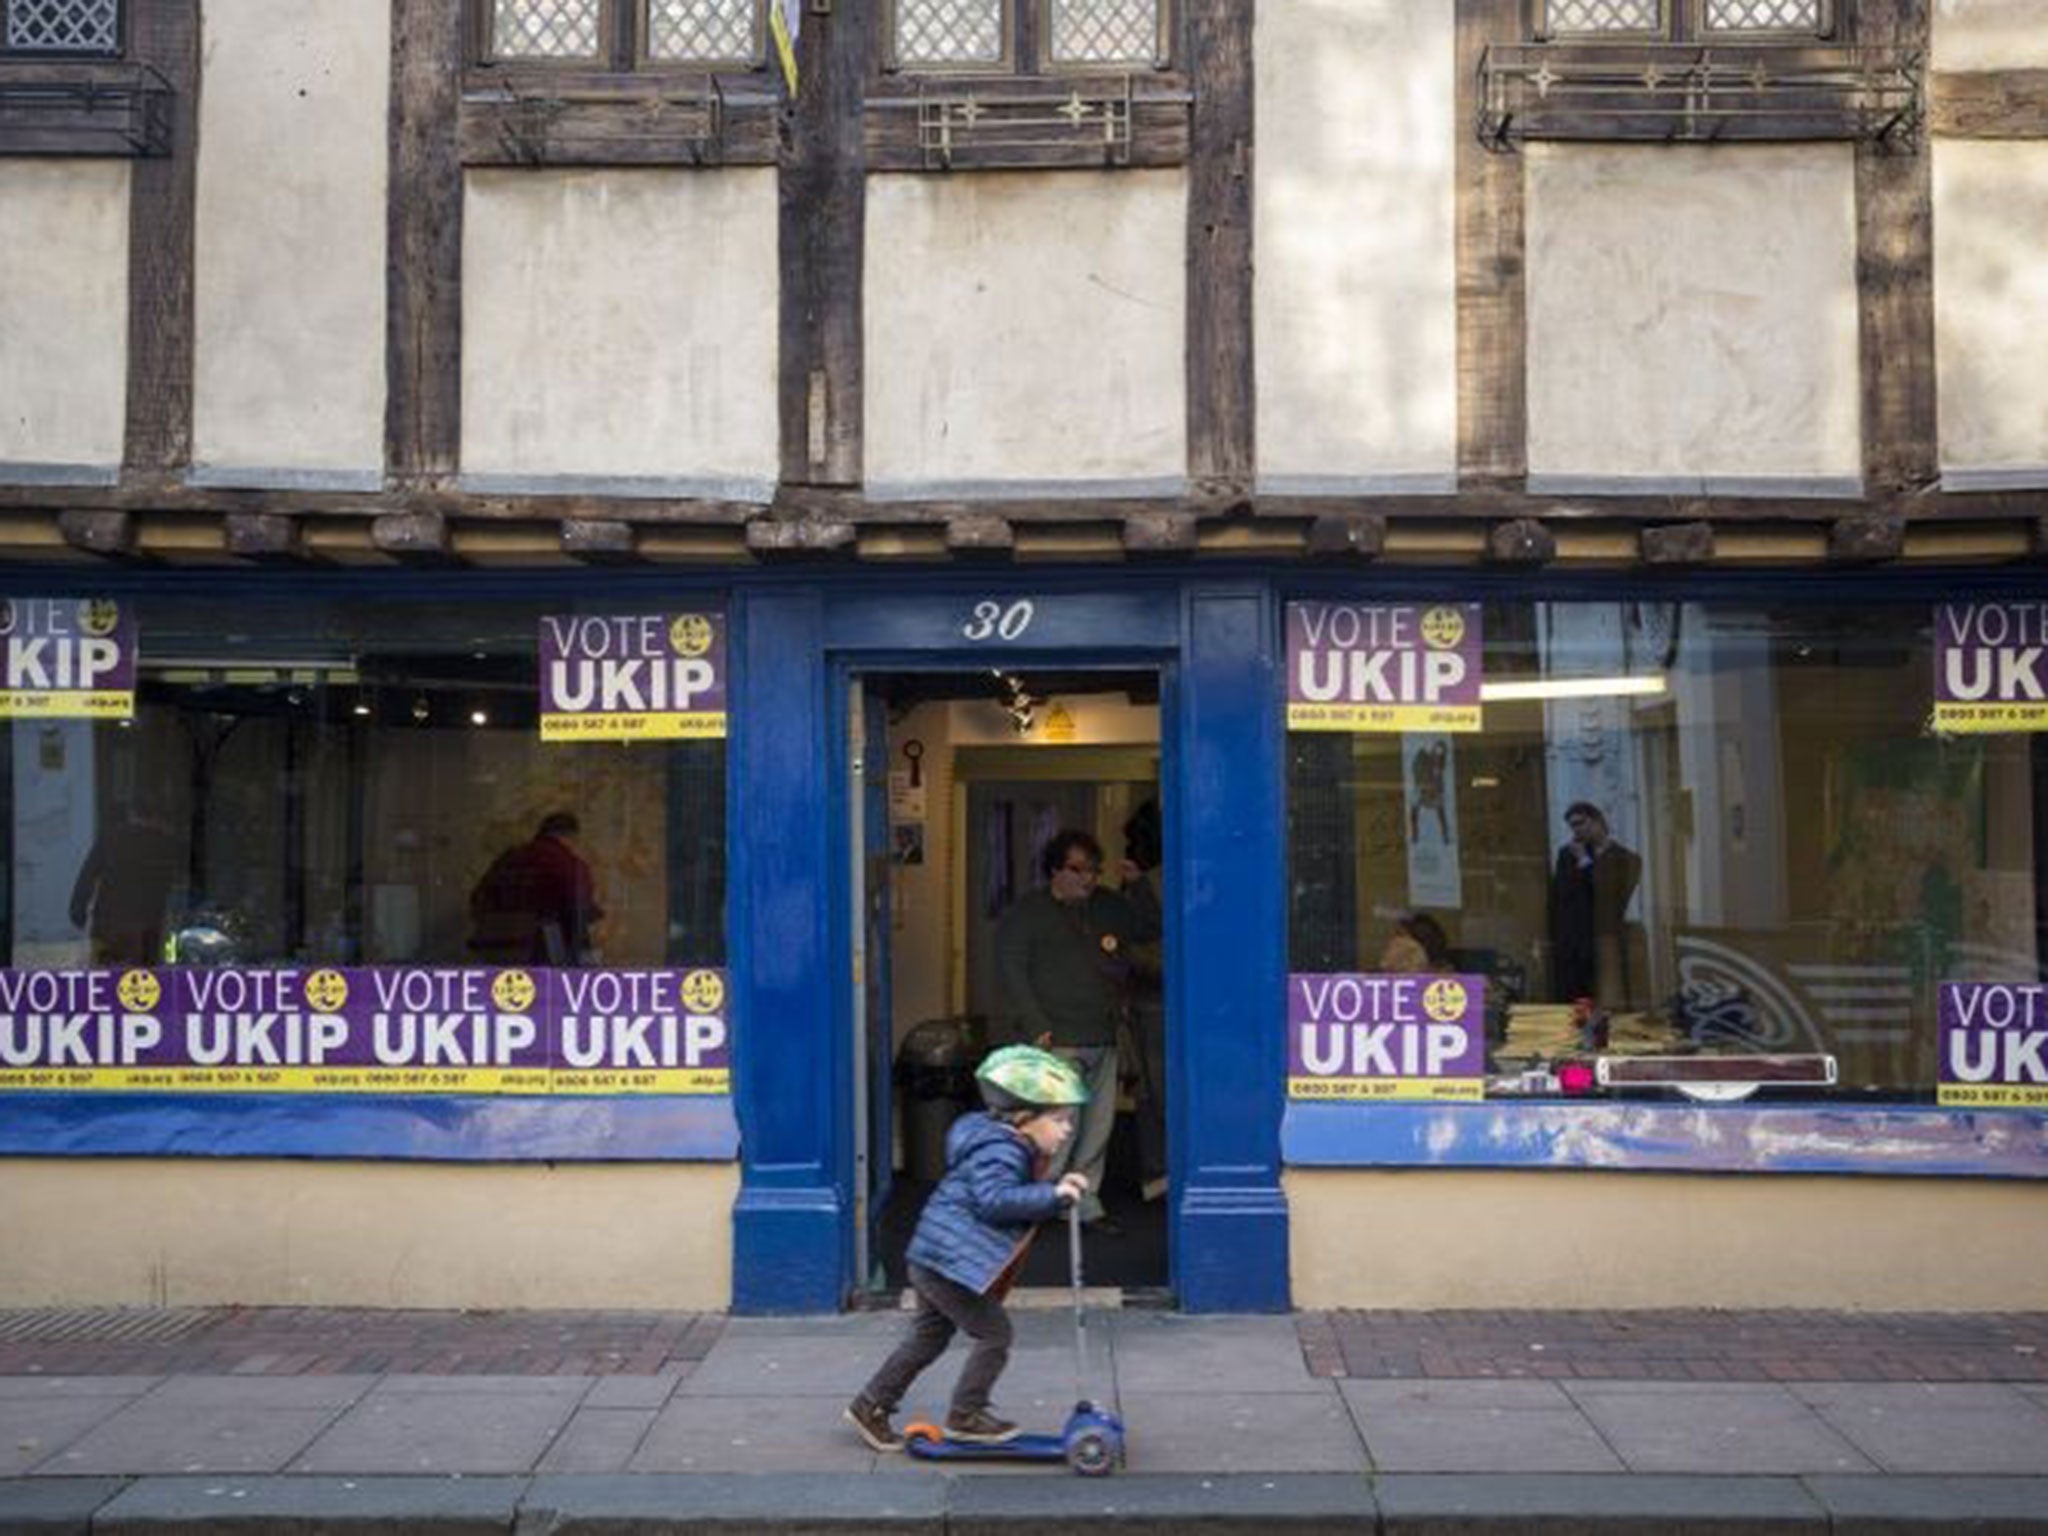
{"x": 971, "y": 1238}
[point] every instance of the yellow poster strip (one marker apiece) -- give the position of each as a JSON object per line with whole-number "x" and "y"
{"x": 1449, "y": 718}
{"x": 698, "y": 725}
{"x": 1984, "y": 719}
{"x": 1992, "y": 1096}
{"x": 64, "y": 704}
{"x": 1387, "y": 1088}
{"x": 658, "y": 1080}
{"x": 280, "y": 1079}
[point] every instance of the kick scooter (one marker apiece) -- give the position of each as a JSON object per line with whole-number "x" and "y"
{"x": 1092, "y": 1443}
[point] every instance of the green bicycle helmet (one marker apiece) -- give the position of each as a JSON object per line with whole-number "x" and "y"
{"x": 1025, "y": 1077}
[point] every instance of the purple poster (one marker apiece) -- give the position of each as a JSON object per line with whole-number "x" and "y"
{"x": 1386, "y": 1036}
{"x": 1383, "y": 667}
{"x": 68, "y": 657}
{"x": 1988, "y": 672}
{"x": 1994, "y": 1045}
{"x": 635, "y": 677}
{"x": 380, "y": 1029}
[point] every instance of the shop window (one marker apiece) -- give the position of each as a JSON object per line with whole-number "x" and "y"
{"x": 625, "y": 34}
{"x": 1689, "y": 847}
{"x": 61, "y": 28}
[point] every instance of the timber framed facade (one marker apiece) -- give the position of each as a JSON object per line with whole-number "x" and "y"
{"x": 1146, "y": 349}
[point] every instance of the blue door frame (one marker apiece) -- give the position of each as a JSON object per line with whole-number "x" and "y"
{"x": 796, "y": 651}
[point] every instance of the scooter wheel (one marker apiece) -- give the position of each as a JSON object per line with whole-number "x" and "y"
{"x": 921, "y": 1434}
{"x": 1091, "y": 1453}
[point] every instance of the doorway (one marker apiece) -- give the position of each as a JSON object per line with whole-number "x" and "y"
{"x": 961, "y": 780}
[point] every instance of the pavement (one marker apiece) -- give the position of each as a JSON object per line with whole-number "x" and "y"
{"x": 333, "y": 1420}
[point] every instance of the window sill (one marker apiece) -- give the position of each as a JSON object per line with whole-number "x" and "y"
{"x": 1663, "y": 1136}
{"x": 1026, "y": 122}
{"x": 558, "y": 117}
{"x": 93, "y": 108}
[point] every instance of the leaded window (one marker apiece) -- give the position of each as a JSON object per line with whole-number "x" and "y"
{"x": 1027, "y": 36}
{"x": 623, "y": 34}
{"x": 58, "y": 27}
{"x": 1684, "y": 20}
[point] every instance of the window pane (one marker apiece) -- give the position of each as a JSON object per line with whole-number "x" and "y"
{"x": 1105, "y": 31}
{"x": 704, "y": 31}
{"x": 545, "y": 29}
{"x": 941, "y": 32}
{"x": 1764, "y": 16}
{"x": 1715, "y": 831}
{"x": 64, "y": 26}
{"x": 1594, "y": 16}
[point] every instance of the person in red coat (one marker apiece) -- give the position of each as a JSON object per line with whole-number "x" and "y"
{"x": 536, "y": 903}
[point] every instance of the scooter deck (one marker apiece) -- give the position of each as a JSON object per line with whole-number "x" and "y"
{"x": 935, "y": 1446}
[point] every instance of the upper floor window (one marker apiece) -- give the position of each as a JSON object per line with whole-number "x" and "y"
{"x": 1027, "y": 36}
{"x": 624, "y": 34}
{"x": 58, "y": 28}
{"x": 1695, "y": 21}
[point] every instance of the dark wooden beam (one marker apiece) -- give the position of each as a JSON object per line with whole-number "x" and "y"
{"x": 1998, "y": 104}
{"x": 808, "y": 536}
{"x": 1221, "y": 402}
{"x": 1161, "y": 533}
{"x": 162, "y": 195}
{"x": 600, "y": 541}
{"x": 823, "y": 215}
{"x": 1522, "y": 541}
{"x": 1862, "y": 540}
{"x": 1361, "y": 536}
{"x": 633, "y": 129}
{"x": 423, "y": 336}
{"x": 419, "y": 536}
{"x": 98, "y": 533}
{"x": 262, "y": 536}
{"x": 1493, "y": 324}
{"x": 980, "y": 533}
{"x": 1678, "y": 544}
{"x": 1895, "y": 285}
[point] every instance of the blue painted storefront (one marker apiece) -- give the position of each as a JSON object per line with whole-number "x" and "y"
{"x": 797, "y": 641}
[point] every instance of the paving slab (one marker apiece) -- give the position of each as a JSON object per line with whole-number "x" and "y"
{"x": 45, "y": 1388}
{"x": 652, "y": 1505}
{"x": 32, "y": 1432}
{"x": 1164, "y": 1352}
{"x": 1475, "y": 1426}
{"x": 1141, "y": 1505}
{"x": 598, "y": 1440}
{"x": 1468, "y": 1505}
{"x": 788, "y": 1365}
{"x": 401, "y": 1429}
{"x": 632, "y": 1391}
{"x": 1918, "y": 1506}
{"x": 53, "y": 1506}
{"x": 263, "y": 1391}
{"x": 149, "y": 1436}
{"x": 1255, "y": 1432}
{"x": 1716, "y": 1428}
{"x": 751, "y": 1434}
{"x": 1960, "y": 1428}
{"x": 370, "y": 1506}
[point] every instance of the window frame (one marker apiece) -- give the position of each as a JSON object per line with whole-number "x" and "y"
{"x": 1685, "y": 21}
{"x": 1027, "y": 47}
{"x": 624, "y": 36}
{"x": 124, "y": 23}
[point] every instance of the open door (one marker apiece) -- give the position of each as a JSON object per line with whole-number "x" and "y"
{"x": 873, "y": 1034}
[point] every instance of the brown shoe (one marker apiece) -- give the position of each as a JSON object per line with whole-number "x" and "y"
{"x": 873, "y": 1426}
{"x": 979, "y": 1428}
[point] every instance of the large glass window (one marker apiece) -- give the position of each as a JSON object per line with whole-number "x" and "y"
{"x": 1705, "y": 832}
{"x": 355, "y": 783}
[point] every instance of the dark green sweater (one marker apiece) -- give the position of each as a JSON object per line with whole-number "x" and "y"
{"x": 1059, "y": 977}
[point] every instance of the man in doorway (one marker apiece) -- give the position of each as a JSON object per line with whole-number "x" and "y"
{"x": 1063, "y": 957}
{"x": 536, "y": 903}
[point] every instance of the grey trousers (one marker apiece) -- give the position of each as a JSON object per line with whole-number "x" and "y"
{"x": 945, "y": 1307}
{"x": 1088, "y": 1151}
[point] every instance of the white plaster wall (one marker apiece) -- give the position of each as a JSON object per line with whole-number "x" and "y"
{"x": 289, "y": 248}
{"x": 1990, "y": 34}
{"x": 1692, "y": 317}
{"x": 619, "y": 329}
{"x": 1991, "y": 309}
{"x": 1355, "y": 299}
{"x": 1026, "y": 329}
{"x": 63, "y": 317}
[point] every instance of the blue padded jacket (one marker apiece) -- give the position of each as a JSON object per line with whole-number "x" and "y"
{"x": 985, "y": 1206}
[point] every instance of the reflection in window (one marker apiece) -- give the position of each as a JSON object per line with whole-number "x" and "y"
{"x": 1684, "y": 829}
{"x": 362, "y": 784}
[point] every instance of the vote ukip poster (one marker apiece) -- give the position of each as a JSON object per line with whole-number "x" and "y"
{"x": 632, "y": 677}
{"x": 1386, "y": 1036}
{"x": 1383, "y": 666}
{"x": 67, "y": 658}
{"x": 366, "y": 1029}
{"x": 1988, "y": 673}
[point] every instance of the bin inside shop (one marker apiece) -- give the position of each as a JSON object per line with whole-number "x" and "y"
{"x": 935, "y": 1085}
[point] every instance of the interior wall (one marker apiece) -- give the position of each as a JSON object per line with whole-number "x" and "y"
{"x": 63, "y": 313}
{"x": 289, "y": 244}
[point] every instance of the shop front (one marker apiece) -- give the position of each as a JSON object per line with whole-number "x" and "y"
{"x": 477, "y": 939}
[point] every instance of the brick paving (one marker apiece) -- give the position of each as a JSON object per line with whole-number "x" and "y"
{"x": 1676, "y": 1345}
{"x": 329, "y": 1341}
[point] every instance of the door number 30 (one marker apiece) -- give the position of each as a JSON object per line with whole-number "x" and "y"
{"x": 994, "y": 620}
